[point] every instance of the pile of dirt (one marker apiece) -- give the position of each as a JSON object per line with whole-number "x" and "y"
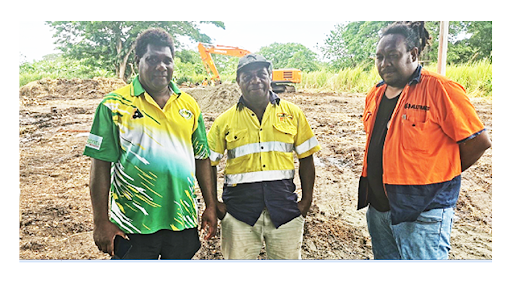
{"x": 38, "y": 92}
{"x": 215, "y": 99}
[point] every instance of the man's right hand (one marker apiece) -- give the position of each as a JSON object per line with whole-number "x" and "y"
{"x": 104, "y": 234}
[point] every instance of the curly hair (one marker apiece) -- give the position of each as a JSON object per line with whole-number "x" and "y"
{"x": 415, "y": 33}
{"x": 154, "y": 36}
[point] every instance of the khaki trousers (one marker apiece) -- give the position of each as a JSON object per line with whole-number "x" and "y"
{"x": 242, "y": 241}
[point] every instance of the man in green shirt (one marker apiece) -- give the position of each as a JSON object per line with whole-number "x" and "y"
{"x": 147, "y": 142}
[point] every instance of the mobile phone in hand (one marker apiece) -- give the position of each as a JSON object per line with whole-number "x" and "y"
{"x": 121, "y": 247}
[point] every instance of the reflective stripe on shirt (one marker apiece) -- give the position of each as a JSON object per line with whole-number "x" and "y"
{"x": 259, "y": 176}
{"x": 214, "y": 156}
{"x": 260, "y": 147}
{"x": 306, "y": 146}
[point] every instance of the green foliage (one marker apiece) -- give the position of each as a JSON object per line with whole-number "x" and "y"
{"x": 53, "y": 67}
{"x": 475, "y": 77}
{"x": 110, "y": 44}
{"x": 478, "y": 44}
{"x": 468, "y": 41}
{"x": 290, "y": 55}
{"x": 188, "y": 67}
{"x": 354, "y": 43}
{"x": 188, "y": 72}
{"x": 356, "y": 79}
{"x": 226, "y": 66}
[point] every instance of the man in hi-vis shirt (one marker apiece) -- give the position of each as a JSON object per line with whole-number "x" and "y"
{"x": 259, "y": 135}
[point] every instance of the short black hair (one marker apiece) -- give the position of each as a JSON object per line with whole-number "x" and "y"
{"x": 154, "y": 36}
{"x": 415, "y": 33}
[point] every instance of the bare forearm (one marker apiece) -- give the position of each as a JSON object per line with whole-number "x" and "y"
{"x": 472, "y": 150}
{"x": 307, "y": 177}
{"x": 99, "y": 189}
{"x": 214, "y": 178}
{"x": 205, "y": 180}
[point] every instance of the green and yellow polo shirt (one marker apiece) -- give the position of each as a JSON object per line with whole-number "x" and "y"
{"x": 153, "y": 151}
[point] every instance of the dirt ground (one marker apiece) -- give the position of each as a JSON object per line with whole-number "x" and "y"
{"x": 55, "y": 210}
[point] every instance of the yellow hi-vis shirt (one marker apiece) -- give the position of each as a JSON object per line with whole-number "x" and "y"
{"x": 261, "y": 152}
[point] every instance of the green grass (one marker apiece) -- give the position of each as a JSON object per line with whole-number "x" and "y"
{"x": 475, "y": 77}
{"x": 59, "y": 68}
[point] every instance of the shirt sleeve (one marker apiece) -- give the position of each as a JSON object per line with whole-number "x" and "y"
{"x": 103, "y": 140}
{"x": 457, "y": 116}
{"x": 217, "y": 143}
{"x": 199, "y": 140}
{"x": 306, "y": 143}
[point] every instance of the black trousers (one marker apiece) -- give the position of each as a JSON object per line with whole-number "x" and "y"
{"x": 163, "y": 244}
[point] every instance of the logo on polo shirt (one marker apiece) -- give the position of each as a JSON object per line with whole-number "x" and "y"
{"x": 94, "y": 141}
{"x": 283, "y": 115}
{"x": 137, "y": 114}
{"x": 418, "y": 107}
{"x": 187, "y": 114}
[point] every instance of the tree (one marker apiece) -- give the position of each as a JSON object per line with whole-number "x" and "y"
{"x": 476, "y": 45}
{"x": 111, "y": 43}
{"x": 290, "y": 55}
{"x": 353, "y": 43}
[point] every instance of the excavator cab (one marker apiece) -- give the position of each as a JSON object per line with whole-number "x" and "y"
{"x": 283, "y": 79}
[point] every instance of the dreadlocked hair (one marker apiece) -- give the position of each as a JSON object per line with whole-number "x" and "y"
{"x": 415, "y": 33}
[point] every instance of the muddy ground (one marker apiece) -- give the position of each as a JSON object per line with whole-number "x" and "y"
{"x": 55, "y": 210}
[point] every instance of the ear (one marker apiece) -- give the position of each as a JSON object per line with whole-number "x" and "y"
{"x": 137, "y": 61}
{"x": 414, "y": 54}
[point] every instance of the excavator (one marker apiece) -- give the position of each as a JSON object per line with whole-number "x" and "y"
{"x": 282, "y": 79}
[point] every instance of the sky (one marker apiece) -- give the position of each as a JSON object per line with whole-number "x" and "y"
{"x": 249, "y": 35}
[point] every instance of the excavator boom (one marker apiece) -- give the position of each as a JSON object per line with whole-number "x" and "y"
{"x": 281, "y": 78}
{"x": 205, "y": 50}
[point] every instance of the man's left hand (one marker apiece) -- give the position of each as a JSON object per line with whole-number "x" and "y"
{"x": 209, "y": 220}
{"x": 304, "y": 207}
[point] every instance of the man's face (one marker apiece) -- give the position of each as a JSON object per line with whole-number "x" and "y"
{"x": 254, "y": 82}
{"x": 394, "y": 63}
{"x": 156, "y": 68}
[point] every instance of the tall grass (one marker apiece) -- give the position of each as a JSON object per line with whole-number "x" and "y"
{"x": 346, "y": 80}
{"x": 59, "y": 68}
{"x": 476, "y": 78}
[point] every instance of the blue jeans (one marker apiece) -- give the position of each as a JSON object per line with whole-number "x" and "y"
{"x": 426, "y": 238}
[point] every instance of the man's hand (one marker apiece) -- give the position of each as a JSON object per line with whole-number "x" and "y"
{"x": 304, "y": 206}
{"x": 104, "y": 234}
{"x": 209, "y": 220}
{"x": 206, "y": 184}
{"x": 221, "y": 210}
